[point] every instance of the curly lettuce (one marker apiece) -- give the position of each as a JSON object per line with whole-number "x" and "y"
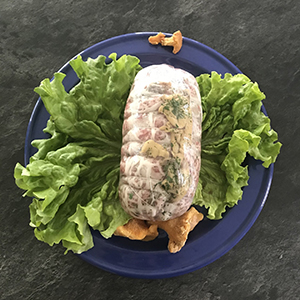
{"x": 73, "y": 177}
{"x": 233, "y": 126}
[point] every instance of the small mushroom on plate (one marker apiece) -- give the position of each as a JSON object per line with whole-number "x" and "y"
{"x": 175, "y": 40}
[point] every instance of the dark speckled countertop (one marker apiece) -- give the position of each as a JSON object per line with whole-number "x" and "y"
{"x": 262, "y": 38}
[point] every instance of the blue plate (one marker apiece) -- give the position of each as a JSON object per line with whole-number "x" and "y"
{"x": 210, "y": 239}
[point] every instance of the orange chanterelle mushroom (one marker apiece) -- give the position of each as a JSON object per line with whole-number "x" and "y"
{"x": 177, "y": 229}
{"x": 175, "y": 40}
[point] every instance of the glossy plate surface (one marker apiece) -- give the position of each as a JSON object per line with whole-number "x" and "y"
{"x": 210, "y": 239}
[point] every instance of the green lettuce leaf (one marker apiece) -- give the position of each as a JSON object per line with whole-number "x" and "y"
{"x": 73, "y": 177}
{"x": 233, "y": 126}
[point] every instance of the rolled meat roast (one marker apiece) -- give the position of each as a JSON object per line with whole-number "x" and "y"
{"x": 160, "y": 158}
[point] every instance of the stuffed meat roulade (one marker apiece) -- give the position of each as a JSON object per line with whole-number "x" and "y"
{"x": 160, "y": 158}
